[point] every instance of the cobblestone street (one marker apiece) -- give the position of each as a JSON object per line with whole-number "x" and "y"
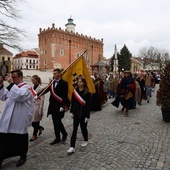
{"x": 138, "y": 142}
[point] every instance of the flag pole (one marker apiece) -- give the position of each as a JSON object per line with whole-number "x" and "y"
{"x": 45, "y": 89}
{"x": 74, "y": 62}
{"x": 62, "y": 73}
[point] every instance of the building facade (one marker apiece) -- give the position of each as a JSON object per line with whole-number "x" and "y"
{"x": 136, "y": 65}
{"x": 5, "y": 55}
{"x": 59, "y": 48}
{"x": 28, "y": 60}
{"x": 155, "y": 66}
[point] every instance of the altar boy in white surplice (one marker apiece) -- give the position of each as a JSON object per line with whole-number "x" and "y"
{"x": 16, "y": 118}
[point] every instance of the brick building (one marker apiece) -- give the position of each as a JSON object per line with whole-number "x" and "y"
{"x": 26, "y": 60}
{"x": 59, "y": 48}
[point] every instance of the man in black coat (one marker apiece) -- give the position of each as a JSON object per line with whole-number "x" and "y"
{"x": 57, "y": 104}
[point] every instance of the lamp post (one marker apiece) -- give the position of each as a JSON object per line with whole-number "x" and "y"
{"x": 115, "y": 63}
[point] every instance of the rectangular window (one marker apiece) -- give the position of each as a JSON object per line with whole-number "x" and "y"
{"x": 61, "y": 52}
{"x": 78, "y": 54}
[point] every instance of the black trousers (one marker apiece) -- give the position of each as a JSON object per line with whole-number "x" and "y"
{"x": 58, "y": 126}
{"x": 83, "y": 127}
{"x": 13, "y": 145}
{"x": 36, "y": 126}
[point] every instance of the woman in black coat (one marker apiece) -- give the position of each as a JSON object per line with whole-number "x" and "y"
{"x": 80, "y": 112}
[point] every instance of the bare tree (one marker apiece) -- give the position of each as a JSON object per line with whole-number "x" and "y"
{"x": 153, "y": 54}
{"x": 10, "y": 35}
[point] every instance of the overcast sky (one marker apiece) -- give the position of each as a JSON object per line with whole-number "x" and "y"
{"x": 136, "y": 23}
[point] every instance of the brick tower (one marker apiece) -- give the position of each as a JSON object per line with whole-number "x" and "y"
{"x": 59, "y": 48}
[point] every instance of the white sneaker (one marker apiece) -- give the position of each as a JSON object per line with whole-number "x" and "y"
{"x": 84, "y": 144}
{"x": 71, "y": 150}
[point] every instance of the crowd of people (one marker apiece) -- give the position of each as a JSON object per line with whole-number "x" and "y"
{"x": 128, "y": 89}
{"x": 24, "y": 106}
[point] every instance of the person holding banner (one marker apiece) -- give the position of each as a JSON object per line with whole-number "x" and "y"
{"x": 57, "y": 104}
{"x": 80, "y": 112}
{"x": 16, "y": 118}
{"x": 38, "y": 107}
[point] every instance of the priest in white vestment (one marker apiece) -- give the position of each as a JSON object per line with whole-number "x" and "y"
{"x": 16, "y": 118}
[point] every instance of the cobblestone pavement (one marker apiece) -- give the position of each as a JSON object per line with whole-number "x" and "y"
{"x": 138, "y": 142}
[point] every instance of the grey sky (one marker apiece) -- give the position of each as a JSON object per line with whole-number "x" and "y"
{"x": 136, "y": 23}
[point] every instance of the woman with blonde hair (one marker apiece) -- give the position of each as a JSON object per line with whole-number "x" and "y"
{"x": 38, "y": 107}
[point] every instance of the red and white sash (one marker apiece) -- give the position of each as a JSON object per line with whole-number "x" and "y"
{"x": 79, "y": 98}
{"x": 33, "y": 92}
{"x": 58, "y": 98}
{"x": 21, "y": 84}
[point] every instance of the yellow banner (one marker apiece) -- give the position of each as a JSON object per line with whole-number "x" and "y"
{"x": 78, "y": 67}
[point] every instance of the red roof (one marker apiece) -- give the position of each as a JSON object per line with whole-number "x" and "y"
{"x": 4, "y": 51}
{"x": 28, "y": 53}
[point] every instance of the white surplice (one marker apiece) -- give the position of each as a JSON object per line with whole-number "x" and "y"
{"x": 17, "y": 110}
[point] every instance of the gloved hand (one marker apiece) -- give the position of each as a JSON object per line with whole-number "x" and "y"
{"x": 35, "y": 98}
{"x": 71, "y": 115}
{"x": 61, "y": 109}
{"x": 86, "y": 120}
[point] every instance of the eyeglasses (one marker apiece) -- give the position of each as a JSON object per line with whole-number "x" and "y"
{"x": 14, "y": 77}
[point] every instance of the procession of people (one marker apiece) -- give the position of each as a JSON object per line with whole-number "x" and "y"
{"x": 24, "y": 106}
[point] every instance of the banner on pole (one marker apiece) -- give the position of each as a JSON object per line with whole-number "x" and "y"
{"x": 78, "y": 67}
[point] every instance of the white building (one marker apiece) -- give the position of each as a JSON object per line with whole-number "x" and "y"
{"x": 28, "y": 60}
{"x": 155, "y": 66}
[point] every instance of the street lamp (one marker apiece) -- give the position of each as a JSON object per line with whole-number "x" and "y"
{"x": 115, "y": 63}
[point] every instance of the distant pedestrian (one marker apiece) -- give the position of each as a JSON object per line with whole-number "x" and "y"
{"x": 38, "y": 107}
{"x": 141, "y": 82}
{"x": 80, "y": 112}
{"x": 126, "y": 92}
{"x": 148, "y": 86}
{"x": 111, "y": 85}
{"x": 16, "y": 117}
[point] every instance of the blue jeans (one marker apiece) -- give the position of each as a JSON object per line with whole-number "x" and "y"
{"x": 148, "y": 92}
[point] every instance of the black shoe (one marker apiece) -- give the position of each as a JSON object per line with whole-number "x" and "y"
{"x": 20, "y": 162}
{"x": 54, "y": 142}
{"x": 64, "y": 138}
{"x": 123, "y": 109}
{"x": 33, "y": 138}
{"x": 40, "y": 130}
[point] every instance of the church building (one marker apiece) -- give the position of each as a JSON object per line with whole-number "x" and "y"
{"x": 58, "y": 48}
